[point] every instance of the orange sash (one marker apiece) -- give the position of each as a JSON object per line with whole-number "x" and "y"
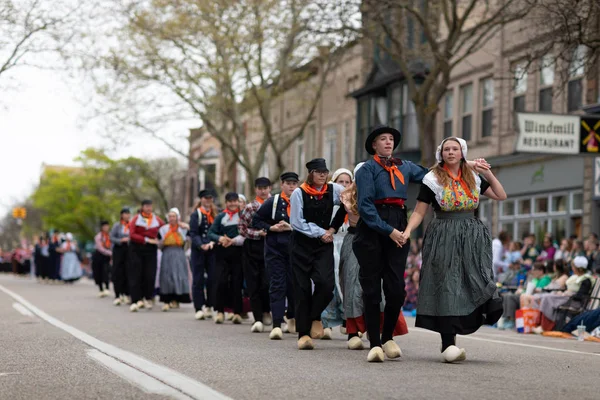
{"x": 209, "y": 217}
{"x": 174, "y": 231}
{"x": 456, "y": 180}
{"x": 289, "y": 203}
{"x": 393, "y": 170}
{"x": 311, "y": 191}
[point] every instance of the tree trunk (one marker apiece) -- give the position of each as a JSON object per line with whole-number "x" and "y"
{"x": 427, "y": 121}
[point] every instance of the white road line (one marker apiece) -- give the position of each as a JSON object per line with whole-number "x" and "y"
{"x": 19, "y": 307}
{"x": 137, "y": 378}
{"x": 533, "y": 346}
{"x": 185, "y": 384}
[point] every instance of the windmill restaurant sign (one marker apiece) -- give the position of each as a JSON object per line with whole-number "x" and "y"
{"x": 558, "y": 134}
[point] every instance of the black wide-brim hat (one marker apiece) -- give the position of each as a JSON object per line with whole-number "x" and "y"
{"x": 378, "y": 131}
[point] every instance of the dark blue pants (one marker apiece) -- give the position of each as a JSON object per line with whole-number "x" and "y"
{"x": 591, "y": 320}
{"x": 279, "y": 270}
{"x": 203, "y": 262}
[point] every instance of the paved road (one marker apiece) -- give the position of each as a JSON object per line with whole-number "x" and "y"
{"x": 76, "y": 346}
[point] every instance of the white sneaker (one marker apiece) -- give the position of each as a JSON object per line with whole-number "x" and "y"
{"x": 452, "y": 354}
{"x": 392, "y": 350}
{"x": 355, "y": 343}
{"x": 376, "y": 354}
{"x": 117, "y": 302}
{"x": 200, "y": 315}
{"x": 538, "y": 330}
{"x": 267, "y": 319}
{"x": 166, "y": 307}
{"x": 500, "y": 324}
{"x": 257, "y": 327}
{"x": 276, "y": 334}
{"x": 134, "y": 307}
{"x": 326, "y": 334}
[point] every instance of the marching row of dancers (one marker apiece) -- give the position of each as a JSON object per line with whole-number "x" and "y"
{"x": 323, "y": 253}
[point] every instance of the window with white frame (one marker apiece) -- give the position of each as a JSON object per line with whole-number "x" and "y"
{"x": 558, "y": 213}
{"x": 520, "y": 86}
{"x": 329, "y": 146}
{"x": 487, "y": 106}
{"x": 300, "y": 155}
{"x": 575, "y": 85}
{"x": 466, "y": 96}
{"x": 545, "y": 96}
{"x": 448, "y": 113}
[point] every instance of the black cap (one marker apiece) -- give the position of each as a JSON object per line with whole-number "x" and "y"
{"x": 378, "y": 131}
{"x": 231, "y": 196}
{"x": 146, "y": 202}
{"x": 125, "y": 210}
{"x": 318, "y": 164}
{"x": 262, "y": 182}
{"x": 206, "y": 193}
{"x": 102, "y": 223}
{"x": 289, "y": 176}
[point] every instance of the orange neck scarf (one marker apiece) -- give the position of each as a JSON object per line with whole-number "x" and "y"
{"x": 231, "y": 213}
{"x": 106, "y": 240}
{"x": 174, "y": 231}
{"x": 456, "y": 180}
{"x": 393, "y": 170}
{"x": 260, "y": 201}
{"x": 289, "y": 203}
{"x": 311, "y": 191}
{"x": 125, "y": 226}
{"x": 147, "y": 218}
{"x": 209, "y": 217}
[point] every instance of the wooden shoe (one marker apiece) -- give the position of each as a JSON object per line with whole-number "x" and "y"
{"x": 148, "y": 304}
{"x": 452, "y": 354}
{"x": 140, "y": 304}
{"x": 355, "y": 343}
{"x": 208, "y": 312}
{"x": 237, "y": 319}
{"x": 117, "y": 301}
{"x": 134, "y": 307}
{"x": 305, "y": 343}
{"x": 326, "y": 334}
{"x": 166, "y": 307}
{"x": 199, "y": 315}
{"x": 376, "y": 354}
{"x": 316, "y": 330}
{"x": 126, "y": 300}
{"x": 257, "y": 327}
{"x": 463, "y": 355}
{"x": 343, "y": 330}
{"x": 219, "y": 318}
{"x": 291, "y": 325}
{"x": 392, "y": 350}
{"x": 276, "y": 334}
{"x": 173, "y": 304}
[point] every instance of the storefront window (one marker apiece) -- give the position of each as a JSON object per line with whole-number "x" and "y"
{"x": 541, "y": 205}
{"x": 559, "y": 229}
{"x": 523, "y": 227}
{"x": 508, "y": 208}
{"x": 576, "y": 201}
{"x": 559, "y": 203}
{"x": 524, "y": 206}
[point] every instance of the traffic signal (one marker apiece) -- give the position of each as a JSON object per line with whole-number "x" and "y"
{"x": 19, "y": 212}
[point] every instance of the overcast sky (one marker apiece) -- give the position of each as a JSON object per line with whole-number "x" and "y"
{"x": 42, "y": 122}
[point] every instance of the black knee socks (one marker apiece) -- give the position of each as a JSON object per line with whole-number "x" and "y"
{"x": 373, "y": 322}
{"x": 447, "y": 340}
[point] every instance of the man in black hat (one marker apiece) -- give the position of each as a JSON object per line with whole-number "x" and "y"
{"x": 379, "y": 246}
{"x": 311, "y": 249}
{"x": 143, "y": 231}
{"x": 101, "y": 259}
{"x": 119, "y": 236}
{"x": 254, "y": 257}
{"x": 273, "y": 217}
{"x": 203, "y": 255}
{"x": 228, "y": 247}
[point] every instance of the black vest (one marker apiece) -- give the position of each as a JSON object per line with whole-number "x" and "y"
{"x": 318, "y": 211}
